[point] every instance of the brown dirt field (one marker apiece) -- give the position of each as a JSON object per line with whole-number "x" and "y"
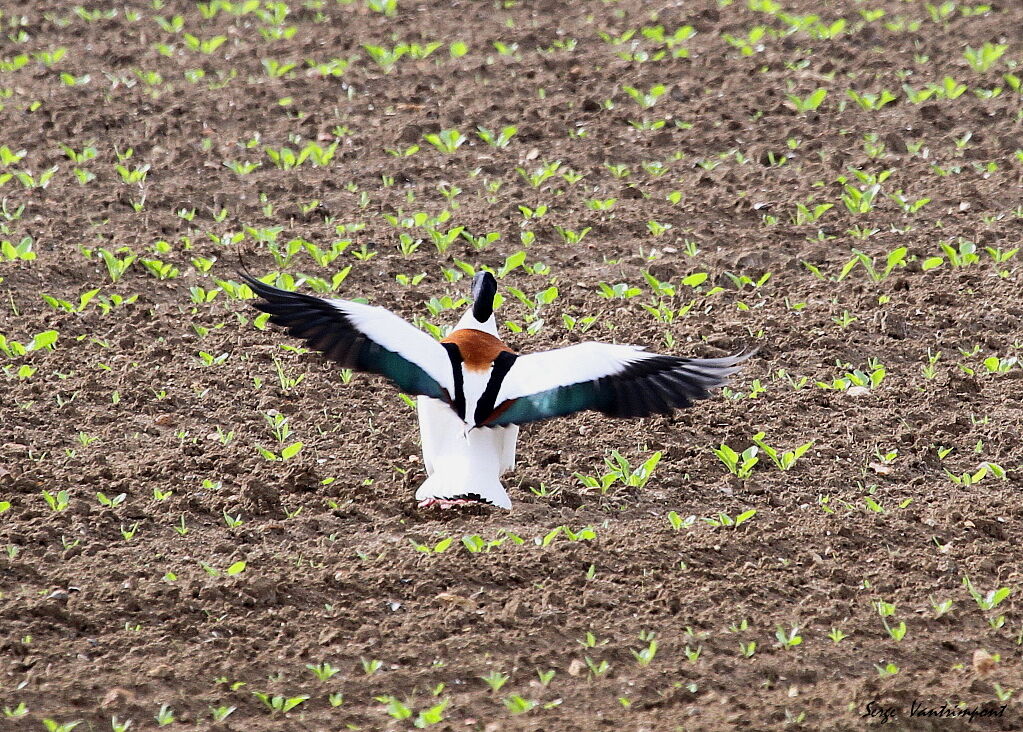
{"x": 98, "y": 626}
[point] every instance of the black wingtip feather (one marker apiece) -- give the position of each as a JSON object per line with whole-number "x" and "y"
{"x": 659, "y": 384}
{"x": 326, "y": 326}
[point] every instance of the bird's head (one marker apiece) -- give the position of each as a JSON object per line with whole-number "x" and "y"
{"x": 484, "y": 288}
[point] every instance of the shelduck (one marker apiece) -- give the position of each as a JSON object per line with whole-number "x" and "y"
{"x": 473, "y": 391}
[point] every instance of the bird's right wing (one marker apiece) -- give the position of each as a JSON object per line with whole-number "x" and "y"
{"x": 362, "y": 338}
{"x": 619, "y": 381}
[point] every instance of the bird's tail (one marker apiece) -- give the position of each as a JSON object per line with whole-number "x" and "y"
{"x": 454, "y": 485}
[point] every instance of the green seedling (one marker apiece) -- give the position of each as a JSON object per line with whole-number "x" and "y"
{"x": 889, "y": 669}
{"x": 388, "y": 8}
{"x": 22, "y": 251}
{"x": 586, "y": 534}
{"x": 10, "y": 157}
{"x": 221, "y": 713}
{"x": 517, "y": 705}
{"x": 724, "y": 520}
{"x": 983, "y": 58}
{"x": 620, "y": 470}
{"x": 136, "y": 175}
{"x": 871, "y": 102}
{"x": 963, "y": 254}
{"x": 165, "y": 716}
{"x": 749, "y": 44}
{"x": 597, "y": 669}
{"x": 396, "y": 708}
{"x": 895, "y": 258}
{"x": 84, "y": 299}
{"x": 481, "y": 242}
{"x": 808, "y": 103}
{"x": 571, "y": 236}
{"x": 644, "y": 656}
{"x": 117, "y": 266}
{"x": 21, "y": 710}
{"x": 678, "y": 523}
{"x": 495, "y": 680}
{"x": 205, "y": 46}
{"x": 908, "y": 205}
{"x": 646, "y": 99}
{"x": 942, "y": 607}
{"x": 857, "y": 378}
{"x": 741, "y": 281}
{"x": 806, "y": 215}
{"x": 476, "y": 544}
{"x": 739, "y": 464}
{"x": 982, "y": 471}
{"x": 439, "y": 548}
{"x": 160, "y": 270}
{"x": 620, "y": 291}
{"x": 111, "y": 502}
{"x": 860, "y": 200}
{"x": 996, "y": 365}
{"x": 836, "y": 635}
{"x": 236, "y": 568}
{"x": 783, "y": 460}
{"x": 279, "y": 703}
{"x": 447, "y": 141}
{"x": 497, "y": 139}
{"x": 539, "y": 175}
{"x": 989, "y": 600}
{"x": 53, "y": 726}
{"x": 57, "y": 501}
{"x": 788, "y": 638}
{"x": 432, "y": 715}
{"x": 370, "y": 666}
{"x": 28, "y": 180}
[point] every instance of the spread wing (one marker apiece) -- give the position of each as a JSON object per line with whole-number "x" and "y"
{"x": 619, "y": 381}
{"x": 362, "y": 338}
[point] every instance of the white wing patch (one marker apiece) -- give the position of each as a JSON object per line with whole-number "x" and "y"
{"x": 539, "y": 372}
{"x": 401, "y": 337}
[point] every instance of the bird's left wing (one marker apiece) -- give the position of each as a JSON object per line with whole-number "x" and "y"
{"x": 619, "y": 381}
{"x": 362, "y": 338}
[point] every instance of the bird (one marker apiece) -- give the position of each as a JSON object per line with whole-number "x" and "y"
{"x": 473, "y": 391}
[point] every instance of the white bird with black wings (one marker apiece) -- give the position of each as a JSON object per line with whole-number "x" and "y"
{"x": 474, "y": 391}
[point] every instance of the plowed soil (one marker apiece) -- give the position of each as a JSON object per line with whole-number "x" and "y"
{"x": 111, "y": 611}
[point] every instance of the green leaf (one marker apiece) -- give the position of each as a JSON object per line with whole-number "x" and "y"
{"x": 291, "y": 450}
{"x": 745, "y": 516}
{"x": 293, "y": 702}
{"x": 46, "y": 339}
{"x": 236, "y": 568}
{"x": 551, "y": 536}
